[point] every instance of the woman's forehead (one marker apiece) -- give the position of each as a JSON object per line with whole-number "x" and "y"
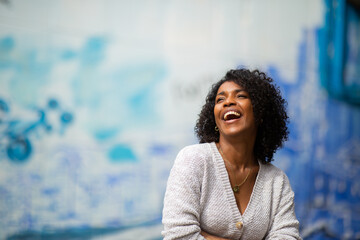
{"x": 230, "y": 86}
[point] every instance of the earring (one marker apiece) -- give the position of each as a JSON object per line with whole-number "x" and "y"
{"x": 216, "y": 129}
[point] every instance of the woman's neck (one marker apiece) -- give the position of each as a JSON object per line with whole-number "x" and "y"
{"x": 239, "y": 153}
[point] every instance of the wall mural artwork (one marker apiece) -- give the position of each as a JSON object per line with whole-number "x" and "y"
{"x": 322, "y": 156}
{"x": 91, "y": 171}
{"x": 90, "y": 124}
{"x": 15, "y": 139}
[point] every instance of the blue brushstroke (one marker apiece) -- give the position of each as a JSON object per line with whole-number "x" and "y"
{"x": 68, "y": 54}
{"x": 133, "y": 85}
{"x": 143, "y": 100}
{"x": 50, "y": 191}
{"x": 7, "y": 44}
{"x": 19, "y": 149}
{"x": 28, "y": 221}
{"x": 142, "y": 105}
{"x": 112, "y": 180}
{"x": 339, "y": 57}
{"x": 307, "y": 167}
{"x": 160, "y": 149}
{"x": 129, "y": 205}
{"x": 4, "y": 106}
{"x": 352, "y": 54}
{"x": 336, "y": 82}
{"x": 93, "y": 52}
{"x": 53, "y": 104}
{"x": 121, "y": 153}
{"x": 105, "y": 134}
{"x": 66, "y": 118}
{"x": 81, "y": 232}
{"x": 18, "y": 132}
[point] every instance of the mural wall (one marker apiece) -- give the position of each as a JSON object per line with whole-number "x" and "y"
{"x": 97, "y": 97}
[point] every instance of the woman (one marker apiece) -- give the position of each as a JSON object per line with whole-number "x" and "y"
{"x": 225, "y": 187}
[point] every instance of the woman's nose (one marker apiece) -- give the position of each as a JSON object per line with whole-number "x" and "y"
{"x": 229, "y": 102}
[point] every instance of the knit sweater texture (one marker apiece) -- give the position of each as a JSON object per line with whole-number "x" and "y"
{"x": 199, "y": 197}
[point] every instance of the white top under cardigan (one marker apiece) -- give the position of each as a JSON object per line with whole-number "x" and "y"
{"x": 199, "y": 197}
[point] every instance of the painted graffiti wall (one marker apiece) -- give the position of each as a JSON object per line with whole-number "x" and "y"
{"x": 97, "y": 98}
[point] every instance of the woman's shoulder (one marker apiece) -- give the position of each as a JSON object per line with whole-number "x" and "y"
{"x": 276, "y": 183}
{"x": 194, "y": 154}
{"x": 270, "y": 171}
{"x": 199, "y": 148}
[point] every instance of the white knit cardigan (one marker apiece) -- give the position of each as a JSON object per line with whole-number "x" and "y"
{"x": 199, "y": 197}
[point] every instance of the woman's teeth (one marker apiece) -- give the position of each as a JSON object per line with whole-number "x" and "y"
{"x": 228, "y": 114}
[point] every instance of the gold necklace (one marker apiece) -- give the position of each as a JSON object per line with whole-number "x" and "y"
{"x": 236, "y": 187}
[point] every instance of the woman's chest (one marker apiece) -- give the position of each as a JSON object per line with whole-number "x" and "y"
{"x": 243, "y": 194}
{"x": 220, "y": 216}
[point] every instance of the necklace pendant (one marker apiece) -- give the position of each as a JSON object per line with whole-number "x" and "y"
{"x": 236, "y": 189}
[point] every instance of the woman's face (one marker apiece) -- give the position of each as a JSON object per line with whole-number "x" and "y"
{"x": 233, "y": 111}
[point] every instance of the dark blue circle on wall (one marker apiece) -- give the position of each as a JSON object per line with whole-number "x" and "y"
{"x": 18, "y": 150}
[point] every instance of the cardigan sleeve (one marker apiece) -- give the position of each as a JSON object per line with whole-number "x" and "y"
{"x": 181, "y": 212}
{"x": 284, "y": 225}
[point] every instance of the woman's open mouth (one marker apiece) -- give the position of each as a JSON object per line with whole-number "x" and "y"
{"x": 231, "y": 115}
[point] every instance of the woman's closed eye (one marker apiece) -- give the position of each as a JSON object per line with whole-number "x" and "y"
{"x": 220, "y": 99}
{"x": 242, "y": 96}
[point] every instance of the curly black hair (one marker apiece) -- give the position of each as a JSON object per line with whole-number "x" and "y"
{"x": 269, "y": 110}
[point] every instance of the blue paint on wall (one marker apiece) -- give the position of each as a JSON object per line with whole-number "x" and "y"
{"x": 68, "y": 55}
{"x": 159, "y": 149}
{"x": 66, "y": 118}
{"x": 84, "y": 232}
{"x": 19, "y": 149}
{"x": 93, "y": 51}
{"x": 322, "y": 155}
{"x": 352, "y": 53}
{"x": 323, "y": 152}
{"x": 53, "y": 103}
{"x": 138, "y": 85}
{"x": 6, "y": 44}
{"x": 105, "y": 134}
{"x": 4, "y": 106}
{"x": 50, "y": 191}
{"x": 121, "y": 153}
{"x": 339, "y": 59}
{"x": 18, "y": 132}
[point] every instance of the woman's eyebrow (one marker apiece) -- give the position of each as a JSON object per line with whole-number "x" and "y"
{"x": 236, "y": 90}
{"x": 239, "y": 90}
